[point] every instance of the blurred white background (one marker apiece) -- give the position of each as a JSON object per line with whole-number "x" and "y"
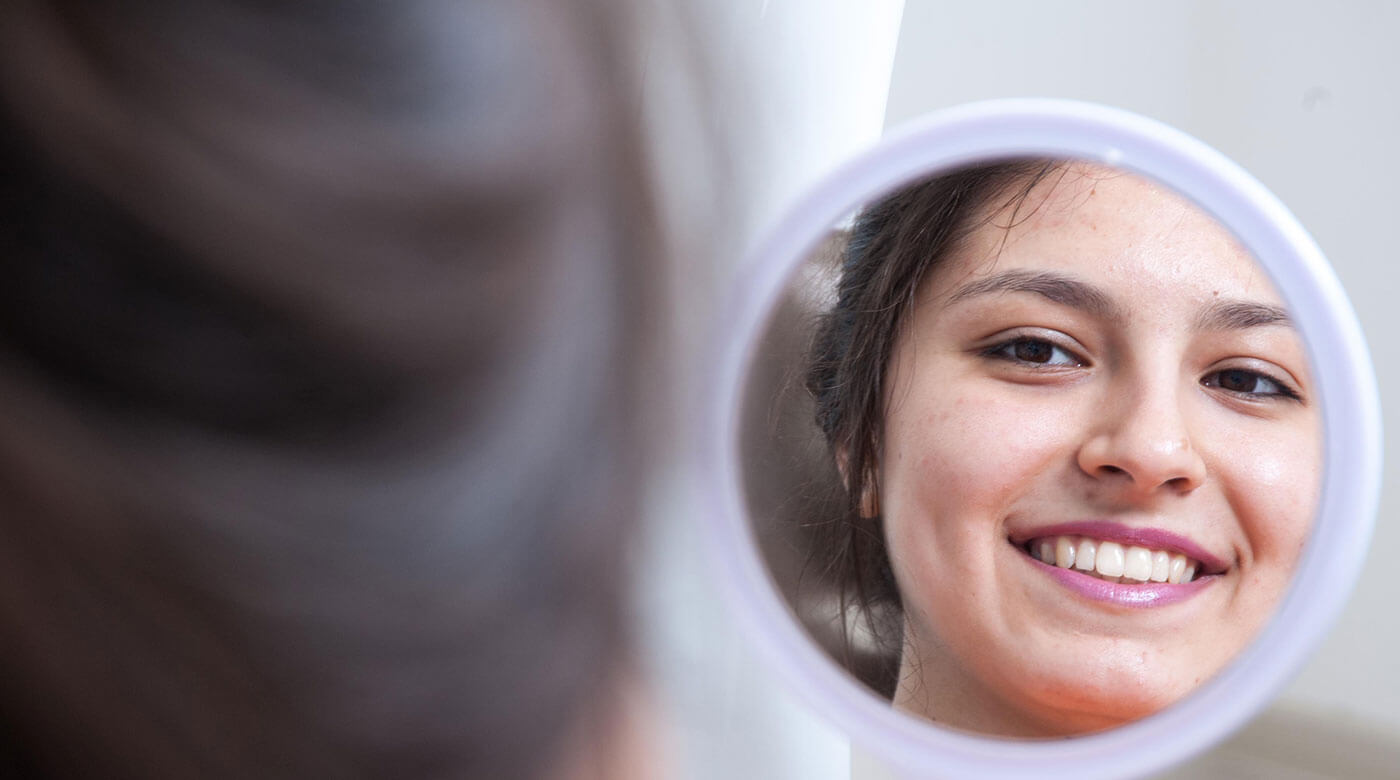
{"x": 1302, "y": 95}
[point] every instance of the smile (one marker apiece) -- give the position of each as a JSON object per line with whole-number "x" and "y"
{"x": 1113, "y": 562}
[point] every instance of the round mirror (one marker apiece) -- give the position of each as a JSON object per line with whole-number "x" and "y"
{"x": 1041, "y": 420}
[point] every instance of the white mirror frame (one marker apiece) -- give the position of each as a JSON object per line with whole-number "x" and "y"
{"x": 1344, "y": 377}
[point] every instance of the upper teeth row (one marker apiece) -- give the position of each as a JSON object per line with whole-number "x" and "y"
{"x": 1113, "y": 561}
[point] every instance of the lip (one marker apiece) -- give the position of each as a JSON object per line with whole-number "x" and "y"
{"x": 1147, "y": 594}
{"x": 1111, "y": 531}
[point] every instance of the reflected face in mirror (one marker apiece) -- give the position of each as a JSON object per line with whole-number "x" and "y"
{"x": 1092, "y": 454}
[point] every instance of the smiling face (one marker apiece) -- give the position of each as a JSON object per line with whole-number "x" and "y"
{"x": 1099, "y": 462}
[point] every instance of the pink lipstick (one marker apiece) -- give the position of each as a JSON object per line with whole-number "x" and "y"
{"x": 1147, "y": 594}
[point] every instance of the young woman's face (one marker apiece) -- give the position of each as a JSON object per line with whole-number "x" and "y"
{"x": 1110, "y": 388}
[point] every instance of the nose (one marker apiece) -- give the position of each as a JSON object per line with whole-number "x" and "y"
{"x": 1143, "y": 444}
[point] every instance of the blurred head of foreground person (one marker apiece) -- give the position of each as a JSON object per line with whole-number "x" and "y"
{"x": 320, "y": 355}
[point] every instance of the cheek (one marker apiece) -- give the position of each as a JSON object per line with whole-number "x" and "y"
{"x": 1274, "y": 492}
{"x": 969, "y": 453}
{"x": 954, "y": 466}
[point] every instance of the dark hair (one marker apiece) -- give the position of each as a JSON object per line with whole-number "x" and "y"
{"x": 322, "y": 340}
{"x": 894, "y": 245}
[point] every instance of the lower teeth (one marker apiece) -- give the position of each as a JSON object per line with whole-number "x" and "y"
{"x": 1095, "y": 574}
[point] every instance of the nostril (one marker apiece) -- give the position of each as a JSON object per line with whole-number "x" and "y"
{"x": 1112, "y": 469}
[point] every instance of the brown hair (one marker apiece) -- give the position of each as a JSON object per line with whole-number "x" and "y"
{"x": 894, "y": 245}
{"x": 322, "y": 342}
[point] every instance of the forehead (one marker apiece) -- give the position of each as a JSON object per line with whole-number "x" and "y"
{"x": 1138, "y": 241}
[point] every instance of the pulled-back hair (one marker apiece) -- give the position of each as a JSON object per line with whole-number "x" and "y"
{"x": 893, "y": 246}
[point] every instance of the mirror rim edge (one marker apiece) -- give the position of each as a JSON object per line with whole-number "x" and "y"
{"x": 1336, "y": 347}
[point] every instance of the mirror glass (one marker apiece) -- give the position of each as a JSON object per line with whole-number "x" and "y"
{"x": 1032, "y": 447}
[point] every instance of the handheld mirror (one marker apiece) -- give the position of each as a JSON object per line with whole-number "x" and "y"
{"x": 1041, "y": 420}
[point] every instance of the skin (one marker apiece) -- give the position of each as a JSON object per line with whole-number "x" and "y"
{"x": 1012, "y": 408}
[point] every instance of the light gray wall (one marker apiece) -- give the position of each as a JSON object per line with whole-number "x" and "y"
{"x": 1304, "y": 96}
{"x": 800, "y": 85}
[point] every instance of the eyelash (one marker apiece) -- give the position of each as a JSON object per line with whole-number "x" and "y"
{"x": 1282, "y": 389}
{"x": 1005, "y": 350}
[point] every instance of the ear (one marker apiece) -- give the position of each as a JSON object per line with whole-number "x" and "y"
{"x": 869, "y": 497}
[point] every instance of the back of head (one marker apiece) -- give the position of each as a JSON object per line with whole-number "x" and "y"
{"x": 320, "y": 359}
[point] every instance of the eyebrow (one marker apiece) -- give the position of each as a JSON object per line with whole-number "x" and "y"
{"x": 1238, "y": 315}
{"x": 1071, "y": 292}
{"x": 1064, "y": 290}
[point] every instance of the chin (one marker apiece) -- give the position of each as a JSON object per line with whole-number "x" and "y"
{"x": 1097, "y": 696}
{"x": 1071, "y": 714}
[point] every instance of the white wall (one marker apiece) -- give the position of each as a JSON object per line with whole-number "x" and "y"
{"x": 1303, "y": 95}
{"x": 801, "y": 85}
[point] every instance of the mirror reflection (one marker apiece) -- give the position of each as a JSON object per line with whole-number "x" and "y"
{"x": 1032, "y": 447}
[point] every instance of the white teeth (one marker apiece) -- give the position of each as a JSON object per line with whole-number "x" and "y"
{"x": 1112, "y": 561}
{"x": 1137, "y": 564}
{"x": 1178, "y": 568}
{"x": 1064, "y": 552}
{"x": 1084, "y": 557}
{"x": 1161, "y": 565}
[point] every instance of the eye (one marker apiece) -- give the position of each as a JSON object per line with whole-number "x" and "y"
{"x": 1037, "y": 352}
{"x": 1248, "y": 383}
